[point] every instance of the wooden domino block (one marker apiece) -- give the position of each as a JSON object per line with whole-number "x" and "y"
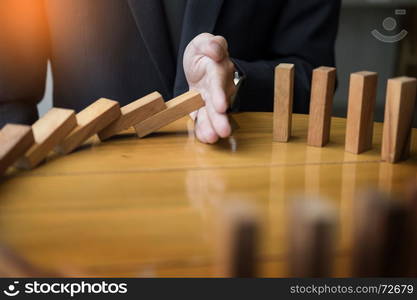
{"x": 15, "y": 140}
{"x": 399, "y": 113}
{"x": 237, "y": 240}
{"x": 379, "y": 243}
{"x": 312, "y": 227}
{"x": 321, "y": 103}
{"x": 133, "y": 114}
{"x": 48, "y": 131}
{"x": 360, "y": 117}
{"x": 90, "y": 121}
{"x": 176, "y": 109}
{"x": 283, "y": 102}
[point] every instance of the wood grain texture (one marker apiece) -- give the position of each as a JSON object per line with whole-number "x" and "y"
{"x": 321, "y": 104}
{"x": 15, "y": 140}
{"x": 176, "y": 109}
{"x": 360, "y": 116}
{"x": 283, "y": 102}
{"x": 48, "y": 131}
{"x": 144, "y": 207}
{"x": 398, "y": 119}
{"x": 312, "y": 231}
{"x": 134, "y": 113}
{"x": 90, "y": 121}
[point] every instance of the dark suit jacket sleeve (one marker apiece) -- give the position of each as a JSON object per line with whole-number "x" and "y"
{"x": 23, "y": 59}
{"x": 305, "y": 35}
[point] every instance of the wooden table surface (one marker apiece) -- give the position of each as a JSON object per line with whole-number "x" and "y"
{"x": 145, "y": 207}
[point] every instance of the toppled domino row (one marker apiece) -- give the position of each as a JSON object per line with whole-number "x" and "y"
{"x": 63, "y": 131}
{"x": 399, "y": 111}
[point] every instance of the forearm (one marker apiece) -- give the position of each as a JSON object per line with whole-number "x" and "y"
{"x": 24, "y": 53}
{"x": 304, "y": 35}
{"x": 257, "y": 91}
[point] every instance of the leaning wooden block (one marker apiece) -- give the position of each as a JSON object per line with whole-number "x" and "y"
{"x": 90, "y": 121}
{"x": 398, "y": 120}
{"x": 321, "y": 103}
{"x": 48, "y": 131}
{"x": 283, "y": 102}
{"x": 134, "y": 113}
{"x": 15, "y": 140}
{"x": 176, "y": 109}
{"x": 360, "y": 117}
{"x": 237, "y": 240}
{"x": 312, "y": 228}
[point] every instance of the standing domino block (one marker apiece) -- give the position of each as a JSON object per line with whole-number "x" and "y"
{"x": 48, "y": 131}
{"x": 90, "y": 121}
{"x": 283, "y": 102}
{"x": 237, "y": 240}
{"x": 322, "y": 90}
{"x": 312, "y": 235}
{"x": 15, "y": 140}
{"x": 360, "y": 117}
{"x": 399, "y": 113}
{"x": 134, "y": 113}
{"x": 176, "y": 109}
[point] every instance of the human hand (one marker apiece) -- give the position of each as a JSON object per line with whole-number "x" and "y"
{"x": 210, "y": 72}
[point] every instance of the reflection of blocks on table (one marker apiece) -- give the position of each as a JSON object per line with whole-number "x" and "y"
{"x": 48, "y": 131}
{"x": 360, "y": 116}
{"x": 237, "y": 240}
{"x": 380, "y": 245}
{"x": 398, "y": 120}
{"x": 134, "y": 113}
{"x": 321, "y": 104}
{"x": 15, "y": 140}
{"x": 283, "y": 102}
{"x": 176, "y": 109}
{"x": 90, "y": 121}
{"x": 312, "y": 231}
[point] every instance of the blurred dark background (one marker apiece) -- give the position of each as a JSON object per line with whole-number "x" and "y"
{"x": 357, "y": 49}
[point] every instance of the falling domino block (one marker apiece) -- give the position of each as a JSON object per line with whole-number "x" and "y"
{"x": 360, "y": 117}
{"x": 312, "y": 229}
{"x": 380, "y": 245}
{"x": 176, "y": 109}
{"x": 237, "y": 240}
{"x": 322, "y": 90}
{"x": 283, "y": 102}
{"x": 90, "y": 121}
{"x": 15, "y": 140}
{"x": 48, "y": 131}
{"x": 399, "y": 113}
{"x": 133, "y": 114}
